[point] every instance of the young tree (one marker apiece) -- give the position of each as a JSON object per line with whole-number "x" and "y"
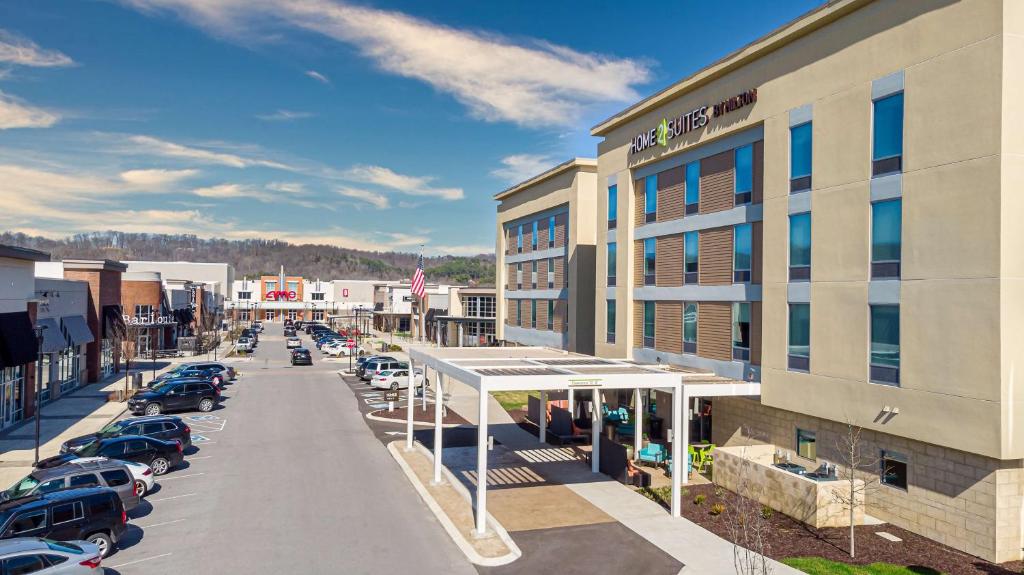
{"x": 748, "y": 525}
{"x": 130, "y": 351}
{"x": 857, "y": 471}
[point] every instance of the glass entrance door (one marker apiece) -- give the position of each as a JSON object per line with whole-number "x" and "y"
{"x": 7, "y": 404}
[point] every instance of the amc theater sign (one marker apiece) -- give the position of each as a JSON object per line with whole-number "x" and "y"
{"x": 281, "y": 295}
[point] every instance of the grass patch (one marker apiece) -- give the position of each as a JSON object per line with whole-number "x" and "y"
{"x": 821, "y": 566}
{"x": 662, "y": 495}
{"x": 514, "y": 399}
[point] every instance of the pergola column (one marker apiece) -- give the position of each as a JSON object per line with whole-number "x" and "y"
{"x": 424, "y": 395}
{"x": 481, "y": 464}
{"x": 680, "y": 433}
{"x": 572, "y": 412}
{"x": 595, "y": 432}
{"x": 410, "y": 404}
{"x": 543, "y": 423}
{"x": 438, "y": 448}
{"x": 638, "y": 422}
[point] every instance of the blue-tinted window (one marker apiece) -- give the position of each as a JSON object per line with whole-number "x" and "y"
{"x": 651, "y": 194}
{"x": 533, "y": 313}
{"x": 519, "y": 239}
{"x": 533, "y": 239}
{"x": 551, "y": 232}
{"x": 610, "y": 322}
{"x": 611, "y": 259}
{"x": 885, "y": 335}
{"x": 690, "y": 323}
{"x": 800, "y": 329}
{"x": 691, "y": 248}
{"x": 649, "y": 256}
{"x": 613, "y": 203}
{"x": 800, "y": 240}
{"x": 742, "y": 238}
{"x": 800, "y": 151}
{"x": 888, "y": 127}
{"x": 648, "y": 324}
{"x": 692, "y": 183}
{"x": 744, "y": 169}
{"x": 886, "y": 229}
{"x": 741, "y": 326}
{"x": 551, "y": 314}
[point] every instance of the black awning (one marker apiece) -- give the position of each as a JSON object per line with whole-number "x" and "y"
{"x": 113, "y": 322}
{"x": 77, "y": 329}
{"x": 17, "y": 339}
{"x": 183, "y": 316}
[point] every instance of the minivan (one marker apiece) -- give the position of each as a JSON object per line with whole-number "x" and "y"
{"x": 375, "y": 366}
{"x": 93, "y": 514}
{"x": 109, "y": 473}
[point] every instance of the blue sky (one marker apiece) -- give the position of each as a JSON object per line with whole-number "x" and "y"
{"x": 380, "y": 125}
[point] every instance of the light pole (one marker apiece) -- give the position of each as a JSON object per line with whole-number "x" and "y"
{"x": 39, "y": 384}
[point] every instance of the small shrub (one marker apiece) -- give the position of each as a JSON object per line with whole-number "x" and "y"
{"x": 700, "y": 499}
{"x": 767, "y": 512}
{"x": 685, "y": 492}
{"x": 717, "y": 509}
{"x": 719, "y": 491}
{"x": 394, "y": 347}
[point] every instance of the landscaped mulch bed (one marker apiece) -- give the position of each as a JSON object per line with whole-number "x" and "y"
{"x": 419, "y": 415}
{"x": 788, "y": 537}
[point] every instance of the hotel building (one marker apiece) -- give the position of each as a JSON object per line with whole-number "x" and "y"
{"x": 831, "y": 211}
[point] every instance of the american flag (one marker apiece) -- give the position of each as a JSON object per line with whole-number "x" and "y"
{"x": 419, "y": 281}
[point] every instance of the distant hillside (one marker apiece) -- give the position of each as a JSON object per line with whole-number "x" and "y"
{"x": 254, "y": 257}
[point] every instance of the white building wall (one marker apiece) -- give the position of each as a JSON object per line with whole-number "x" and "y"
{"x": 17, "y": 284}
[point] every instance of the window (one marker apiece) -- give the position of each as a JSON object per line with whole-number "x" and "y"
{"x": 690, "y": 328}
{"x": 648, "y": 324}
{"x": 519, "y": 275}
{"x": 101, "y": 506}
{"x": 519, "y": 312}
{"x": 800, "y": 158}
{"x": 533, "y": 274}
{"x": 805, "y": 446}
{"x": 610, "y": 321}
{"x": 799, "y": 336}
{"x": 144, "y": 313}
{"x": 116, "y": 477}
{"x": 885, "y": 344}
{"x": 649, "y": 261}
{"x": 317, "y": 296}
{"x": 894, "y": 469}
{"x": 245, "y": 295}
{"x": 551, "y": 314}
{"x": 51, "y": 485}
{"x": 613, "y": 206}
{"x": 293, "y": 287}
{"x": 744, "y": 174}
{"x": 611, "y": 264}
{"x": 742, "y": 238}
{"x": 533, "y": 313}
{"x": 67, "y": 512}
{"x": 800, "y": 246}
{"x": 886, "y": 232}
{"x": 533, "y": 238}
{"x": 741, "y": 331}
{"x": 551, "y": 232}
{"x": 24, "y": 564}
{"x": 651, "y": 198}
{"x": 551, "y": 273}
{"x": 692, "y": 187}
{"x": 271, "y": 286}
{"x": 83, "y": 480}
{"x": 519, "y": 240}
{"x": 887, "y": 138}
{"x": 29, "y": 522}
{"x": 691, "y": 249}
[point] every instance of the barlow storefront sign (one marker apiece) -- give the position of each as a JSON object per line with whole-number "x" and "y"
{"x": 148, "y": 320}
{"x": 281, "y": 295}
{"x": 692, "y": 120}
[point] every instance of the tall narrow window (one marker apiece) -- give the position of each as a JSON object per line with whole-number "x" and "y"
{"x": 741, "y": 331}
{"x": 519, "y": 275}
{"x": 800, "y": 158}
{"x": 690, "y": 328}
{"x": 551, "y": 314}
{"x": 885, "y": 344}
{"x": 533, "y": 238}
{"x": 519, "y": 240}
{"x": 800, "y": 246}
{"x": 799, "y": 336}
{"x": 533, "y": 275}
{"x": 744, "y": 174}
{"x": 610, "y": 322}
{"x": 551, "y": 232}
{"x": 887, "y": 139}
{"x": 611, "y": 263}
{"x": 519, "y": 312}
{"x": 886, "y": 232}
{"x": 692, "y": 188}
{"x": 648, "y": 324}
{"x": 551, "y": 273}
{"x": 691, "y": 249}
{"x": 649, "y": 261}
{"x": 651, "y": 198}
{"x": 742, "y": 240}
{"x": 613, "y": 206}
{"x": 533, "y": 313}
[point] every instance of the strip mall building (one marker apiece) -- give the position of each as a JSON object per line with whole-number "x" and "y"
{"x": 832, "y": 211}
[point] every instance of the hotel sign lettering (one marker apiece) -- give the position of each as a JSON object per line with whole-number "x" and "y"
{"x": 697, "y": 118}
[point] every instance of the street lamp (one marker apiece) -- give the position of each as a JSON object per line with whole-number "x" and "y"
{"x": 39, "y": 383}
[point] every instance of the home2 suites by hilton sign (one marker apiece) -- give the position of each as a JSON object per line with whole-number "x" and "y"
{"x": 692, "y": 120}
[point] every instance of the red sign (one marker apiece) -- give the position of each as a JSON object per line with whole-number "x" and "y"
{"x": 350, "y": 344}
{"x": 281, "y": 295}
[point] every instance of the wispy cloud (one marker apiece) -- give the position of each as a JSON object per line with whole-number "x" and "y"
{"x": 286, "y": 187}
{"x": 412, "y": 185}
{"x": 223, "y": 191}
{"x": 259, "y": 193}
{"x": 379, "y": 201}
{"x": 528, "y": 82}
{"x": 156, "y": 177}
{"x": 163, "y": 148}
{"x": 285, "y": 116}
{"x": 318, "y": 77}
{"x": 520, "y": 167}
{"x": 19, "y": 51}
{"x": 14, "y": 113}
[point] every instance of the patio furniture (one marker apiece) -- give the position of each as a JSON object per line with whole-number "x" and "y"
{"x": 703, "y": 456}
{"x": 625, "y": 427}
{"x": 689, "y": 465}
{"x": 562, "y": 427}
{"x": 653, "y": 453}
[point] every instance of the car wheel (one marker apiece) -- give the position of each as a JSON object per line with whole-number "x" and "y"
{"x": 394, "y": 386}
{"x": 160, "y": 465}
{"x": 206, "y": 405}
{"x": 101, "y": 540}
{"x": 153, "y": 409}
{"x": 140, "y": 487}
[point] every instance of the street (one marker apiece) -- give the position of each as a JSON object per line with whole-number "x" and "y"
{"x": 285, "y": 477}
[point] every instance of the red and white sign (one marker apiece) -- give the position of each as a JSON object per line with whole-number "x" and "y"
{"x": 281, "y": 295}
{"x": 350, "y": 343}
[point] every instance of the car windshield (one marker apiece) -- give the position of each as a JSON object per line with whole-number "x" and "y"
{"x": 112, "y": 428}
{"x": 22, "y": 487}
{"x": 91, "y": 450}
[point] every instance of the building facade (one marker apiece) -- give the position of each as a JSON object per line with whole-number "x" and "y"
{"x": 299, "y": 299}
{"x": 104, "y": 313}
{"x": 18, "y": 344}
{"x": 545, "y": 258}
{"x": 470, "y": 318}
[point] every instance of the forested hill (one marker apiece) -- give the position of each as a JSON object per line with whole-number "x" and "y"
{"x": 251, "y": 257}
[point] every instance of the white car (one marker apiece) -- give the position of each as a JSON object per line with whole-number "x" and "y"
{"x": 339, "y": 349}
{"x": 396, "y": 379}
{"x": 293, "y": 342}
{"x": 141, "y": 474}
{"x": 243, "y": 344}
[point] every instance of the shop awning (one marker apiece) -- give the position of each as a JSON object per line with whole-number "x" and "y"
{"x": 113, "y": 322}
{"x": 53, "y": 339}
{"x": 183, "y": 316}
{"x": 17, "y": 340}
{"x": 77, "y": 329}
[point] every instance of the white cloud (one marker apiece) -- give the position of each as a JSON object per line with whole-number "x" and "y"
{"x": 163, "y": 148}
{"x": 16, "y": 114}
{"x": 412, "y": 185}
{"x": 521, "y": 167}
{"x": 224, "y": 191}
{"x": 285, "y": 116}
{"x": 20, "y": 51}
{"x": 379, "y": 201}
{"x": 318, "y": 76}
{"x": 156, "y": 177}
{"x": 286, "y": 187}
{"x": 530, "y": 82}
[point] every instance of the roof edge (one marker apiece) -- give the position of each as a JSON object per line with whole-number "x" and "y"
{"x": 19, "y": 253}
{"x": 572, "y": 163}
{"x": 104, "y": 265}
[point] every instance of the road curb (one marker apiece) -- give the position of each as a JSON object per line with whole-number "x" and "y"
{"x": 457, "y": 537}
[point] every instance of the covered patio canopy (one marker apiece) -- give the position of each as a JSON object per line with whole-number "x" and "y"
{"x": 544, "y": 369}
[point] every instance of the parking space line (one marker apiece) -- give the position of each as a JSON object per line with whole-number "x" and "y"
{"x": 174, "y": 497}
{"x": 139, "y": 561}
{"x": 193, "y": 458}
{"x": 182, "y": 476}
{"x": 160, "y": 524}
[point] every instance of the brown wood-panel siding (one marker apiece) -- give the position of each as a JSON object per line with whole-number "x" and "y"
{"x": 715, "y": 262}
{"x": 542, "y": 234}
{"x": 511, "y": 283}
{"x": 638, "y": 263}
{"x": 638, "y": 323}
{"x": 671, "y": 194}
{"x": 542, "y": 274}
{"x": 669, "y": 254}
{"x": 561, "y": 220}
{"x": 717, "y": 188}
{"x": 668, "y": 326}
{"x": 758, "y": 193}
{"x": 756, "y": 251}
{"x": 559, "y": 273}
{"x": 638, "y": 202}
{"x": 527, "y": 237}
{"x": 524, "y": 309}
{"x": 755, "y": 333}
{"x": 542, "y": 314}
{"x": 714, "y": 330}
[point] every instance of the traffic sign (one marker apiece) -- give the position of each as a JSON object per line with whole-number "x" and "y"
{"x": 350, "y": 343}
{"x": 391, "y": 395}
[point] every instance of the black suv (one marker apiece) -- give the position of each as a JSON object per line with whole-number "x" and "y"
{"x": 161, "y": 456}
{"x": 174, "y": 396}
{"x": 301, "y": 356}
{"x": 93, "y": 514}
{"x": 165, "y": 427}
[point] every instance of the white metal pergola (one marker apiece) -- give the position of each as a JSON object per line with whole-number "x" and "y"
{"x": 544, "y": 370}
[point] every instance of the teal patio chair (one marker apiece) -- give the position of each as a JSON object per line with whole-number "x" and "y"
{"x": 654, "y": 453}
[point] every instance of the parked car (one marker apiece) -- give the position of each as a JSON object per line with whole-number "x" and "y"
{"x": 301, "y": 356}
{"x": 252, "y": 334}
{"x": 161, "y": 456}
{"x": 341, "y": 349}
{"x": 186, "y": 369}
{"x": 165, "y": 427}
{"x": 45, "y": 557}
{"x": 208, "y": 373}
{"x": 175, "y": 396}
{"x": 92, "y": 514}
{"x": 244, "y": 344}
{"x": 142, "y": 474}
{"x": 292, "y": 342}
{"x": 397, "y": 379}
{"x": 75, "y": 473}
{"x": 258, "y": 326}
{"x": 362, "y": 361}
{"x": 289, "y": 332}
{"x": 375, "y": 366}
